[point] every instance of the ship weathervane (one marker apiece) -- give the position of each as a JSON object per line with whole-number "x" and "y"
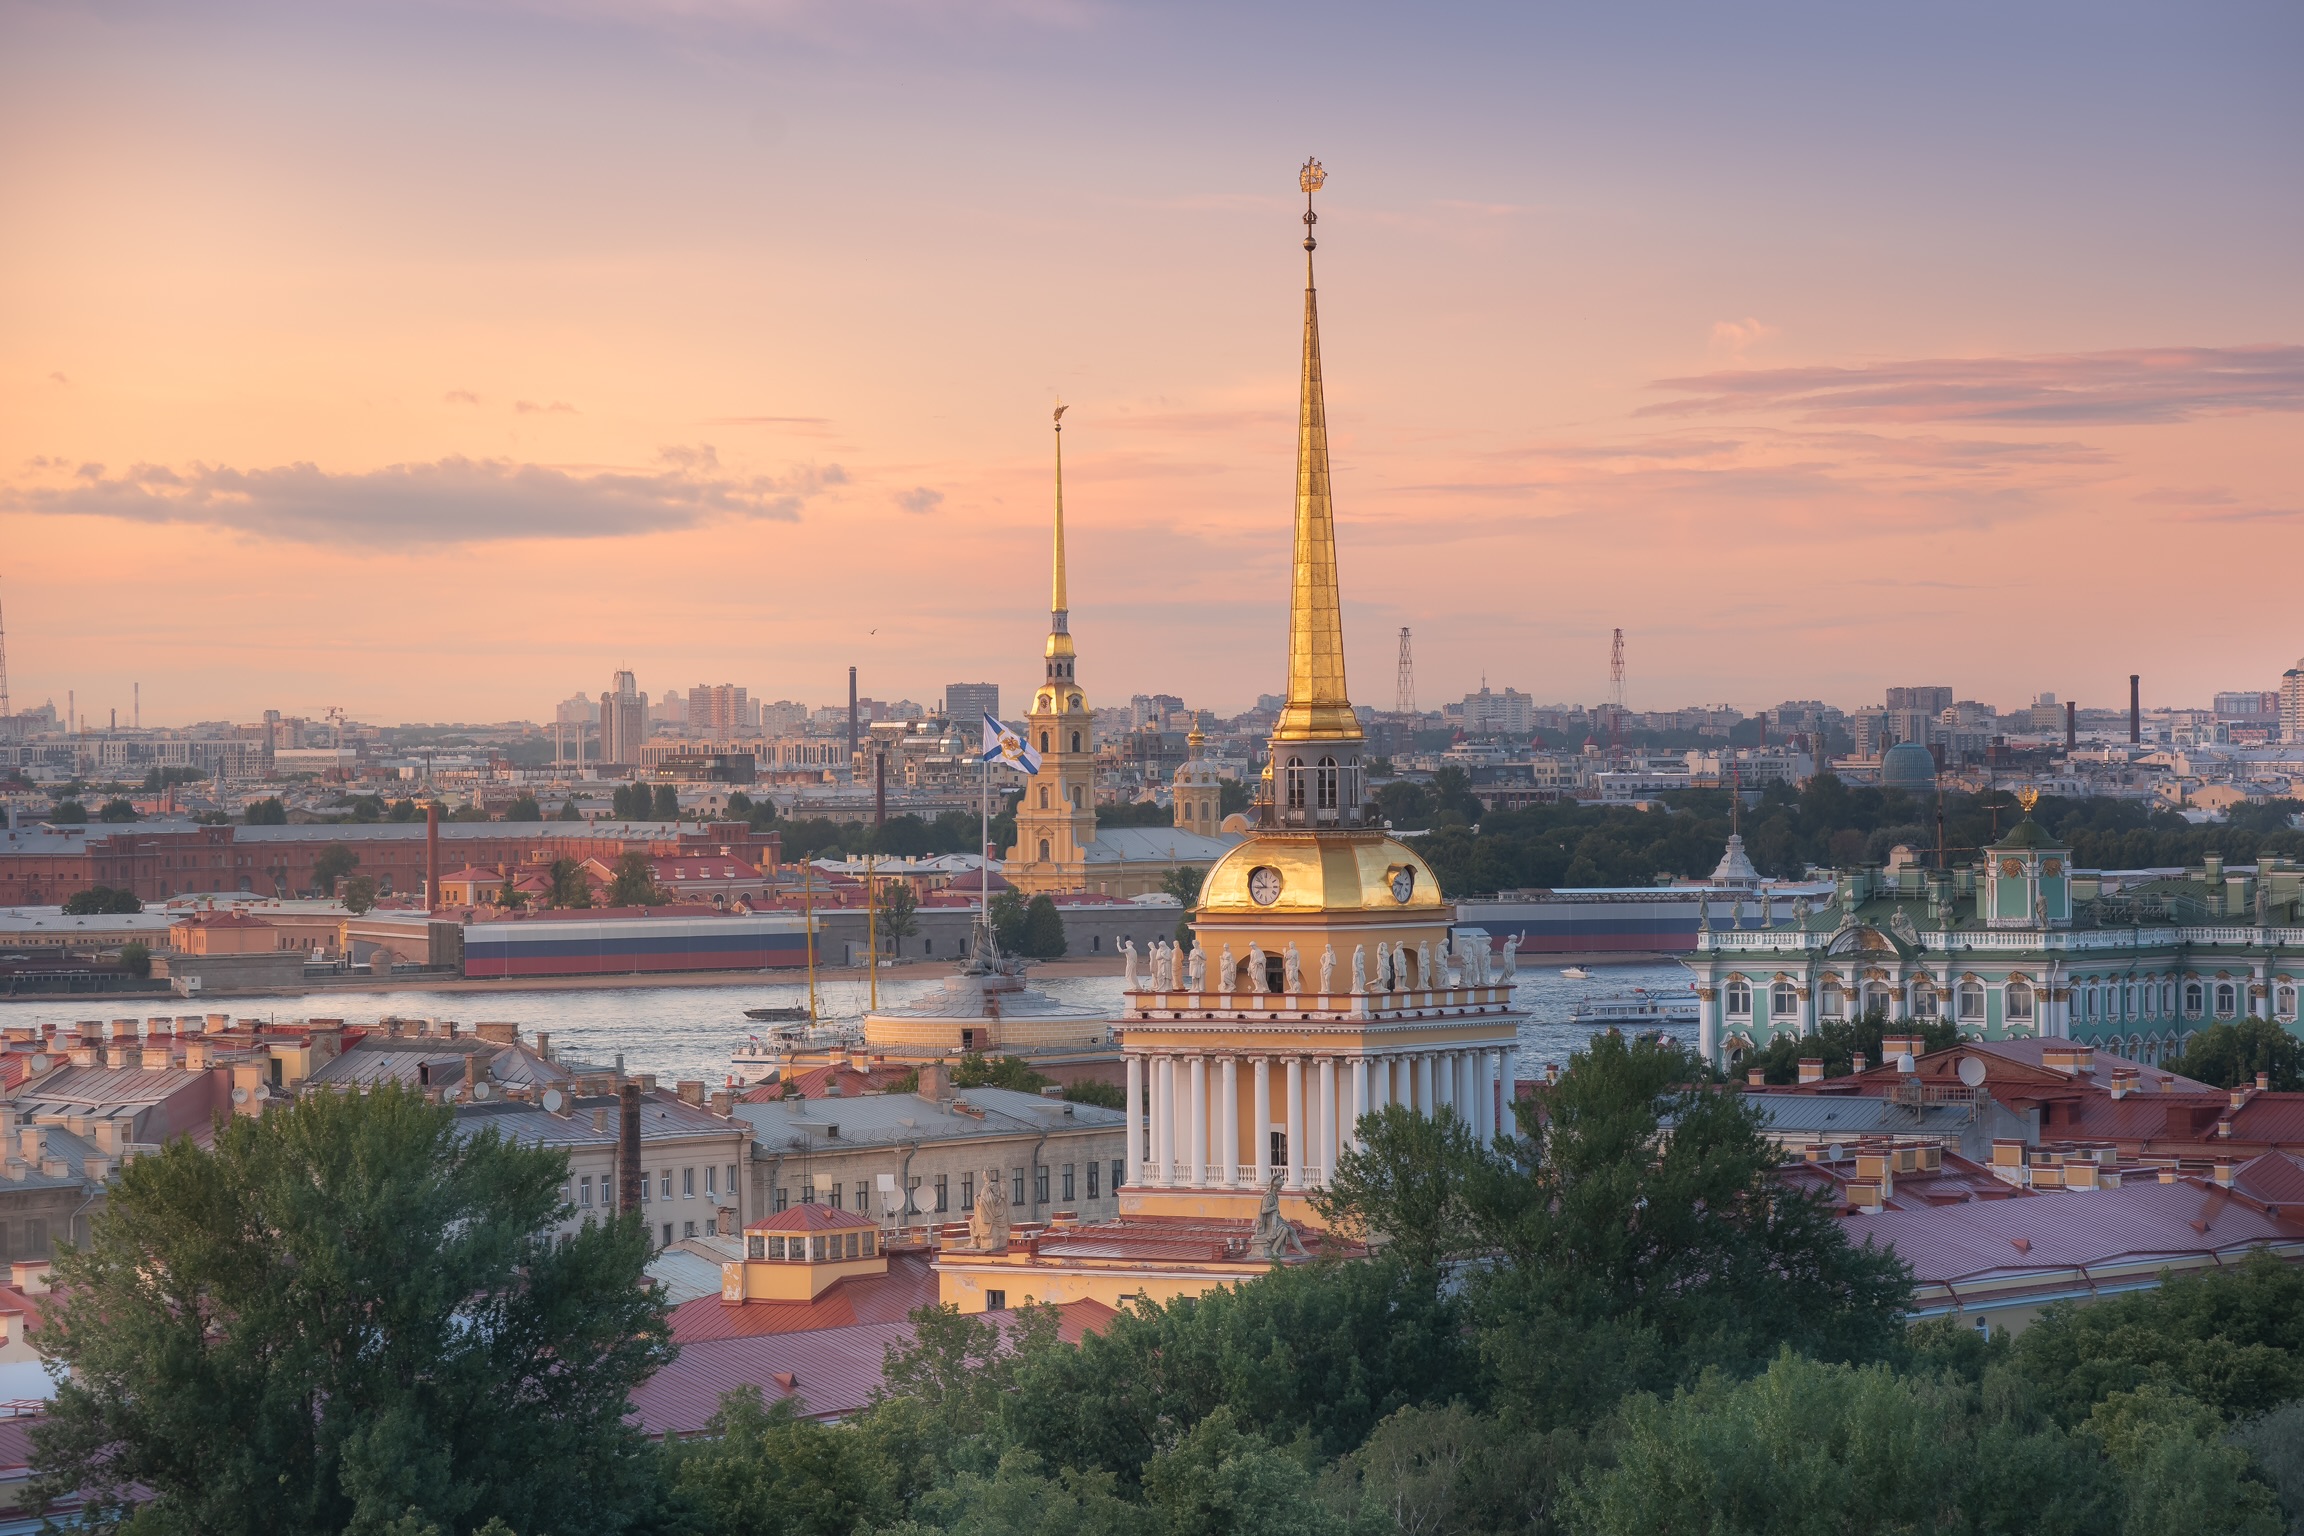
{"x": 1312, "y": 178}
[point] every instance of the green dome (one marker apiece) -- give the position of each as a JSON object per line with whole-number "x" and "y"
{"x": 1908, "y": 765}
{"x": 2029, "y": 834}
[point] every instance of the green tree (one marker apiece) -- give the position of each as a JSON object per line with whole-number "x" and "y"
{"x": 404, "y": 810}
{"x": 1406, "y": 1188}
{"x": 509, "y": 896}
{"x": 667, "y": 803}
{"x": 1840, "y": 1041}
{"x": 1043, "y": 937}
{"x": 568, "y": 812}
{"x": 1222, "y": 1480}
{"x": 359, "y": 893}
{"x": 101, "y": 900}
{"x": 975, "y": 1070}
{"x": 2178, "y": 1473}
{"x": 524, "y": 808}
{"x": 266, "y": 813}
{"x": 631, "y": 802}
{"x": 116, "y": 810}
{"x": 380, "y": 1307}
{"x": 332, "y": 864}
{"x": 2230, "y": 1055}
{"x": 895, "y": 919}
{"x": 68, "y": 813}
{"x": 571, "y": 886}
{"x": 766, "y": 1471}
{"x": 633, "y": 883}
{"x": 1183, "y": 883}
{"x": 1006, "y": 911}
{"x": 136, "y": 959}
{"x": 2275, "y": 1441}
{"x": 1091, "y": 1090}
{"x": 1452, "y": 1469}
{"x": 173, "y": 773}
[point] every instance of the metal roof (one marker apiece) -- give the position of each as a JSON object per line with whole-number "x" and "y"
{"x": 895, "y": 1118}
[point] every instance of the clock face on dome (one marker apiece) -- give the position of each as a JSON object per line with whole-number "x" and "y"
{"x": 1403, "y": 883}
{"x": 1264, "y": 885}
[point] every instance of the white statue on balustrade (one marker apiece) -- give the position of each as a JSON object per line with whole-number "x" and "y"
{"x": 1227, "y": 972}
{"x": 1424, "y": 965}
{"x": 1196, "y": 969}
{"x": 1476, "y": 954}
{"x": 1383, "y": 966}
{"x": 1327, "y": 969}
{"x": 1258, "y": 974}
{"x": 1512, "y": 957}
{"x": 1359, "y": 969}
{"x": 1127, "y": 965}
{"x": 1291, "y": 969}
{"x": 1159, "y": 966}
{"x": 1455, "y": 968}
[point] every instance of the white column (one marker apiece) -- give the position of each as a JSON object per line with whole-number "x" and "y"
{"x": 1379, "y": 1083}
{"x": 1444, "y": 1080}
{"x": 1326, "y": 1138}
{"x": 1708, "y": 1026}
{"x": 1500, "y": 1091}
{"x": 1359, "y": 1098}
{"x": 1467, "y": 1093}
{"x": 1199, "y": 1123}
{"x": 1295, "y": 1122}
{"x": 1180, "y": 1121}
{"x": 1163, "y": 1118}
{"x": 1427, "y": 1085}
{"x": 1260, "y": 1141}
{"x": 1228, "y": 1123}
{"x": 1135, "y": 1118}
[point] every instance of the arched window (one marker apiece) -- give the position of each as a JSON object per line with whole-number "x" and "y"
{"x": 1783, "y": 1000}
{"x": 1739, "y": 999}
{"x": 1971, "y": 1001}
{"x": 1834, "y": 1000}
{"x": 2284, "y": 1002}
{"x": 2227, "y": 1000}
{"x": 2167, "y": 999}
{"x": 1077, "y": 793}
{"x": 1075, "y": 741}
{"x": 2194, "y": 999}
{"x": 1324, "y": 784}
{"x": 1043, "y": 741}
{"x": 1875, "y": 998}
{"x": 2019, "y": 1002}
{"x": 2088, "y": 1002}
{"x": 1043, "y": 797}
{"x": 1923, "y": 1001}
{"x": 1043, "y": 850}
{"x": 1295, "y": 783}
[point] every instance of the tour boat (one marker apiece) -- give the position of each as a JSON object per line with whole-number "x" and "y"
{"x": 1577, "y": 973}
{"x": 1636, "y": 1008}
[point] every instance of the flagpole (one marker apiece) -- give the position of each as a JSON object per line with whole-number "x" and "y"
{"x": 984, "y": 854}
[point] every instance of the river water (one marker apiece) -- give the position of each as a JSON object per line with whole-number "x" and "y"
{"x": 688, "y": 1031}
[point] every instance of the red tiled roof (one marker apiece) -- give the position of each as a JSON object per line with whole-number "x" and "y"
{"x": 812, "y": 1218}
{"x": 816, "y": 1082}
{"x": 2276, "y": 1179}
{"x": 910, "y": 1283}
{"x": 831, "y": 1371}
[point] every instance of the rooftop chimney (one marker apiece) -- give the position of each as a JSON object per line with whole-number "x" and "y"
{"x": 2071, "y": 725}
{"x": 2135, "y": 711}
{"x": 431, "y": 856}
{"x": 1811, "y": 1069}
{"x": 1859, "y": 1063}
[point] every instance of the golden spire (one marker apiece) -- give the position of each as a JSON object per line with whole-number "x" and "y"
{"x": 1059, "y": 606}
{"x": 1317, "y": 707}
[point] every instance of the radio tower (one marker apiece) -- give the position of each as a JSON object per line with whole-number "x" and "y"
{"x": 1403, "y": 701}
{"x": 1616, "y": 710}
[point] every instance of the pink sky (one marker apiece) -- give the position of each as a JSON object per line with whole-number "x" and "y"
{"x": 433, "y": 361}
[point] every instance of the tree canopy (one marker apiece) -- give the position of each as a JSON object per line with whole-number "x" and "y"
{"x": 98, "y": 900}
{"x": 2231, "y": 1053}
{"x": 344, "y": 1315}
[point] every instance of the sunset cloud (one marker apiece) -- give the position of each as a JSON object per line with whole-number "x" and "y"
{"x": 920, "y": 499}
{"x": 454, "y": 500}
{"x": 2145, "y": 385}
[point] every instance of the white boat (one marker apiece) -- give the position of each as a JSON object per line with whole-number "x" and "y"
{"x": 1577, "y": 973}
{"x": 1637, "y": 1009}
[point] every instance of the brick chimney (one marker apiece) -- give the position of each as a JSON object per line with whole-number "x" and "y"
{"x": 1754, "y": 1077}
{"x": 935, "y": 1082}
{"x": 1859, "y": 1063}
{"x": 1811, "y": 1069}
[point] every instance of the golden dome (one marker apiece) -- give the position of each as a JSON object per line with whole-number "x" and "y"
{"x": 1321, "y": 874}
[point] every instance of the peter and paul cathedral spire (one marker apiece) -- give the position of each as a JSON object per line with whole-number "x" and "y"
{"x": 1060, "y": 657}
{"x": 1056, "y": 821}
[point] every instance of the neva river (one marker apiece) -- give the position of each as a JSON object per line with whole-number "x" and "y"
{"x": 688, "y": 1031}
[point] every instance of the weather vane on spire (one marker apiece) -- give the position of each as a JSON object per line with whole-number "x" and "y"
{"x": 1312, "y": 178}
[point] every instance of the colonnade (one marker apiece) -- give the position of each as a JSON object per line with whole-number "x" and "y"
{"x": 1191, "y": 1138}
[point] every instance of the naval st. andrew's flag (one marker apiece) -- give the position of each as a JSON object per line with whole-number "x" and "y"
{"x": 1002, "y": 745}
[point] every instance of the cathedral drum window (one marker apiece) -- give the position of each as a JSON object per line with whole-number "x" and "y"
{"x": 1264, "y": 885}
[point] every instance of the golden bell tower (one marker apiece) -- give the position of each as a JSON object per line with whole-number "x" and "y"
{"x": 1321, "y": 986}
{"x": 1056, "y": 820}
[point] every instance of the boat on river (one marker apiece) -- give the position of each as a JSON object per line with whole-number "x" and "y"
{"x": 1638, "y": 1009}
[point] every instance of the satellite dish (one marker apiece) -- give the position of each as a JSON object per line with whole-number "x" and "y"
{"x": 262, "y": 1093}
{"x": 1903, "y": 1061}
{"x": 553, "y": 1100}
{"x": 1835, "y": 1152}
{"x": 40, "y": 1062}
{"x": 1972, "y": 1071}
{"x": 239, "y": 1095}
{"x": 480, "y": 1090}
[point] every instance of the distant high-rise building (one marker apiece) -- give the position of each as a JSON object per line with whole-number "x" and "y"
{"x": 1933, "y": 701}
{"x": 2248, "y": 708}
{"x": 623, "y": 721}
{"x": 1510, "y": 713}
{"x": 576, "y": 709}
{"x": 718, "y": 711}
{"x": 965, "y": 703}
{"x": 2292, "y": 703}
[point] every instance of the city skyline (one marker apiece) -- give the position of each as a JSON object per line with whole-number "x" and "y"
{"x": 1806, "y": 404}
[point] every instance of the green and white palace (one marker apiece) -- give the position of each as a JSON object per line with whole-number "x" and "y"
{"x": 2019, "y": 945}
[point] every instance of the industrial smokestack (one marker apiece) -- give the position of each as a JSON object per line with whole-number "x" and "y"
{"x": 629, "y": 1175}
{"x": 2135, "y": 711}
{"x": 2071, "y": 725}
{"x": 431, "y": 856}
{"x": 879, "y": 790}
{"x": 851, "y": 714}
